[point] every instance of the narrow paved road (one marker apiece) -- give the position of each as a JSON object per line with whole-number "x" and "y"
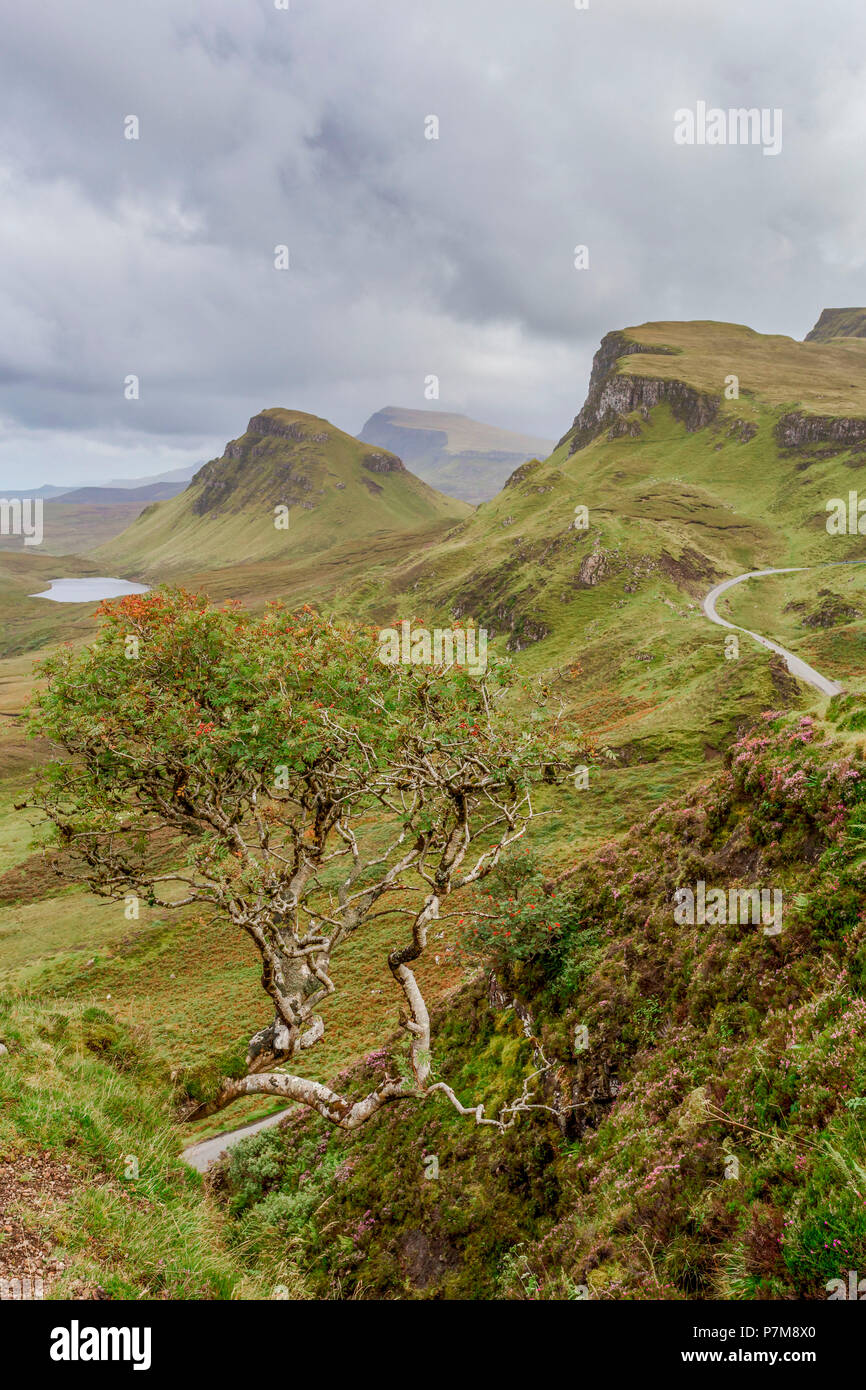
{"x": 795, "y": 664}
{"x": 202, "y": 1155}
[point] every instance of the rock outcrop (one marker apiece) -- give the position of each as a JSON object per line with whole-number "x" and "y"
{"x": 383, "y": 463}
{"x": 293, "y": 429}
{"x": 838, "y": 323}
{"x": 796, "y": 429}
{"x": 613, "y": 396}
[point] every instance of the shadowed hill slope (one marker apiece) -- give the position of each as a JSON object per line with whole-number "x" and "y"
{"x": 461, "y": 456}
{"x": 334, "y": 488}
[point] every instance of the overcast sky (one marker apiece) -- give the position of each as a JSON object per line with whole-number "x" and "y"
{"x": 408, "y": 256}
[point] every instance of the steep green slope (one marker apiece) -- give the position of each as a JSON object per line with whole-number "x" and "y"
{"x": 95, "y": 1199}
{"x": 461, "y": 457}
{"x": 704, "y": 1133}
{"x": 705, "y": 1043}
{"x": 838, "y": 323}
{"x": 336, "y": 491}
{"x": 682, "y": 487}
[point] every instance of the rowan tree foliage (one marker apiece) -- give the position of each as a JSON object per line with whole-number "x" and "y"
{"x": 271, "y": 766}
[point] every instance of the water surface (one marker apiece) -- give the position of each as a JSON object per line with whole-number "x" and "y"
{"x": 89, "y": 590}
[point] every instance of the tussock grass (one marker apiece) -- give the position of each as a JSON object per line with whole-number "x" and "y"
{"x": 136, "y": 1223}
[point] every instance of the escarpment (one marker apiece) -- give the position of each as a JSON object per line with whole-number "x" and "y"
{"x": 613, "y": 396}
{"x": 795, "y": 429}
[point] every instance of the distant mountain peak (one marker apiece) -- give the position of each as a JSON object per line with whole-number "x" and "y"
{"x": 453, "y": 452}
{"x": 290, "y": 424}
{"x": 336, "y": 488}
{"x": 838, "y": 323}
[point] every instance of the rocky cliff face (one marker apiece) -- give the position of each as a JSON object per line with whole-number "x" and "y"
{"x": 281, "y": 453}
{"x": 612, "y": 397}
{"x": 838, "y": 323}
{"x": 845, "y": 432}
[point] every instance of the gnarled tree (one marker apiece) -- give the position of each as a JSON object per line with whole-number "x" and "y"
{"x": 272, "y": 767}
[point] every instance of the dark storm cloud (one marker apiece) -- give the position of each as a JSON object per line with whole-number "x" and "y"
{"x": 408, "y": 257}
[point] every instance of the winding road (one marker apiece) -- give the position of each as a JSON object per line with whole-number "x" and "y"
{"x": 796, "y": 665}
{"x": 203, "y": 1154}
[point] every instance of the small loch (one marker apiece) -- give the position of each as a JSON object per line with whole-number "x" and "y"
{"x": 89, "y": 590}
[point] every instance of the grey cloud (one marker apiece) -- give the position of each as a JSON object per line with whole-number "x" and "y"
{"x": 261, "y": 127}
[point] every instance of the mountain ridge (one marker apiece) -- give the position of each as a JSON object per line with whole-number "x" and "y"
{"x": 461, "y": 456}
{"x": 838, "y": 323}
{"x": 327, "y": 486}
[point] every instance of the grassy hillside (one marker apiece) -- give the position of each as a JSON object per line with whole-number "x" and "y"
{"x": 705, "y": 1138}
{"x": 461, "y": 457}
{"x": 816, "y": 377}
{"x": 683, "y": 487}
{"x": 94, "y": 1199}
{"x": 838, "y": 323}
{"x": 609, "y": 616}
{"x": 818, "y": 614}
{"x": 337, "y": 491}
